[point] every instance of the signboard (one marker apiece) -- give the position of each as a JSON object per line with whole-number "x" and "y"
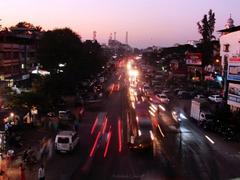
{"x": 234, "y": 69}
{"x": 209, "y": 78}
{"x": 194, "y": 59}
{"x": 234, "y": 94}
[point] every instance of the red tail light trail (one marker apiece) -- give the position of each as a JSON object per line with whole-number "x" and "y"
{"x": 119, "y": 135}
{"x": 94, "y": 145}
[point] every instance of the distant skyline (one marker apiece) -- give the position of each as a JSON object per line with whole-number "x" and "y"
{"x": 148, "y": 22}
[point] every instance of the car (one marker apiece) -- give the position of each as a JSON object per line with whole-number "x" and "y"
{"x": 162, "y": 97}
{"x": 98, "y": 88}
{"x": 178, "y": 115}
{"x": 199, "y": 96}
{"x": 215, "y": 98}
{"x": 66, "y": 141}
{"x": 64, "y": 115}
{"x": 177, "y": 90}
{"x": 166, "y": 91}
{"x": 184, "y": 94}
{"x": 116, "y": 87}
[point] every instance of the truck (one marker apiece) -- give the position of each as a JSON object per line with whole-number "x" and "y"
{"x": 200, "y": 111}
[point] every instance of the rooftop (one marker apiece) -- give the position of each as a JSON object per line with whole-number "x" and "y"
{"x": 229, "y": 30}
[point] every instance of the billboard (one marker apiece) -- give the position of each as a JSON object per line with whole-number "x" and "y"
{"x": 234, "y": 69}
{"x": 194, "y": 59}
{"x": 234, "y": 94}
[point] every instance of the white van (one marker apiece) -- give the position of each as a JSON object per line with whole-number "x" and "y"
{"x": 66, "y": 141}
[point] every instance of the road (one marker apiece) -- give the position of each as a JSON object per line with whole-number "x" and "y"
{"x": 183, "y": 153}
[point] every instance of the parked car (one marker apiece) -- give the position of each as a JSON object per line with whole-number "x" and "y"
{"x": 66, "y": 141}
{"x": 177, "y": 90}
{"x": 184, "y": 94}
{"x": 166, "y": 91}
{"x": 199, "y": 96}
{"x": 215, "y": 98}
{"x": 162, "y": 97}
{"x": 64, "y": 115}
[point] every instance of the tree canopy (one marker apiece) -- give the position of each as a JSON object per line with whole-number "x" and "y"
{"x": 206, "y": 29}
{"x": 25, "y": 27}
{"x": 59, "y": 46}
{"x": 65, "y": 46}
{"x": 206, "y": 26}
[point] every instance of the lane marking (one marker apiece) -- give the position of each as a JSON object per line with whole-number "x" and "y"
{"x": 209, "y": 139}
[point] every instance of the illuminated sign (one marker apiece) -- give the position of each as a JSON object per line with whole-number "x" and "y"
{"x": 194, "y": 59}
{"x": 234, "y": 69}
{"x": 234, "y": 94}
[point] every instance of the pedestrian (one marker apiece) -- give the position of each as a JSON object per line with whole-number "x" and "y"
{"x": 41, "y": 173}
{"x": 22, "y": 172}
{"x": 1, "y": 164}
{"x": 50, "y": 147}
{"x": 43, "y": 148}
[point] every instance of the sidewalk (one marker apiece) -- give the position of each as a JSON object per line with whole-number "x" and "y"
{"x": 32, "y": 138}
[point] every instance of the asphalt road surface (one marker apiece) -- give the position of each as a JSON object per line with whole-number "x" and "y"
{"x": 184, "y": 152}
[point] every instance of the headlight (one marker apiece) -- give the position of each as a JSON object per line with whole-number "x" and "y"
{"x": 139, "y": 133}
{"x": 182, "y": 116}
{"x": 151, "y": 135}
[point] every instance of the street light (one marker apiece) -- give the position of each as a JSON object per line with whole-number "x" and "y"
{"x": 11, "y": 114}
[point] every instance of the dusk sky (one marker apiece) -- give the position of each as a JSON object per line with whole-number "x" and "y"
{"x": 148, "y": 22}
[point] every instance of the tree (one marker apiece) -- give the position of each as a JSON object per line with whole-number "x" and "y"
{"x": 25, "y": 28}
{"x": 92, "y": 57}
{"x": 63, "y": 46}
{"x": 59, "y": 46}
{"x": 206, "y": 29}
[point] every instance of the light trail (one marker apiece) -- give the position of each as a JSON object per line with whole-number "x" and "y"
{"x": 108, "y": 142}
{"x": 152, "y": 109}
{"x": 104, "y": 125}
{"x": 94, "y": 125}
{"x": 112, "y": 86}
{"x": 155, "y": 122}
{"x": 94, "y": 145}
{"x": 152, "y": 113}
{"x": 160, "y": 130}
{"x": 209, "y": 139}
{"x": 119, "y": 135}
{"x": 162, "y": 107}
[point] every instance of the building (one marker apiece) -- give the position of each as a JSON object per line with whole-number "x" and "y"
{"x": 17, "y": 56}
{"x": 230, "y": 60}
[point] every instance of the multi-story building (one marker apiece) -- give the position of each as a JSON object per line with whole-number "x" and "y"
{"x": 17, "y": 55}
{"x": 230, "y": 55}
